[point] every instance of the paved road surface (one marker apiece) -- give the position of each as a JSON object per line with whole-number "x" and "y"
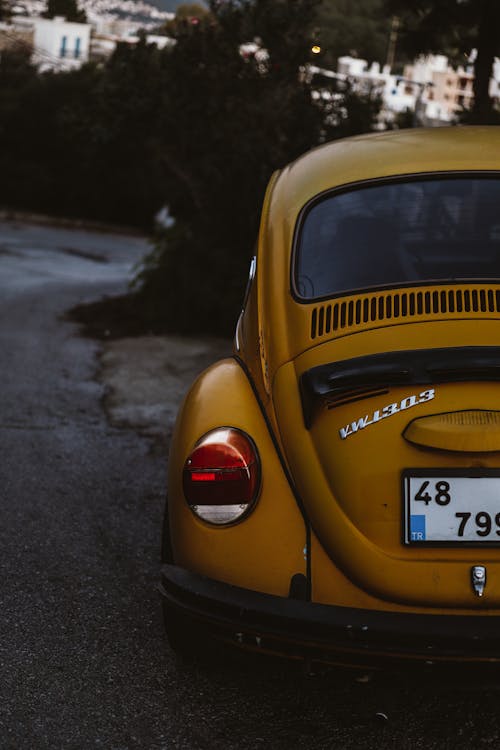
{"x": 83, "y": 662}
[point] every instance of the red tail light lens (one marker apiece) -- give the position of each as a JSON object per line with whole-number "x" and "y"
{"x": 222, "y": 475}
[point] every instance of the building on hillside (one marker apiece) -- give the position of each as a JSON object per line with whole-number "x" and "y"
{"x": 118, "y": 28}
{"x": 448, "y": 91}
{"x": 372, "y": 80}
{"x": 430, "y": 88}
{"x": 60, "y": 45}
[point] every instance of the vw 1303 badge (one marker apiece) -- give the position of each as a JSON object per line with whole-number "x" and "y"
{"x": 387, "y": 411}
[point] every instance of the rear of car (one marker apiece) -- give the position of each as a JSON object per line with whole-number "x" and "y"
{"x": 366, "y": 387}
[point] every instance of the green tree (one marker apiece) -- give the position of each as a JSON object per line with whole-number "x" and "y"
{"x": 82, "y": 143}
{"x": 225, "y": 121}
{"x": 358, "y": 29}
{"x": 67, "y": 8}
{"x": 4, "y": 10}
{"x": 186, "y": 14}
{"x": 455, "y": 27}
{"x": 199, "y": 126}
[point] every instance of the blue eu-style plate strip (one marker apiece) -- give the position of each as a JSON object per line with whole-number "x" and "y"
{"x": 417, "y": 528}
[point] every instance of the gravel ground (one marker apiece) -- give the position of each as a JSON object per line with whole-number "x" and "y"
{"x": 146, "y": 378}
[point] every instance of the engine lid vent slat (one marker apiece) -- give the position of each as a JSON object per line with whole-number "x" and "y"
{"x": 341, "y": 316}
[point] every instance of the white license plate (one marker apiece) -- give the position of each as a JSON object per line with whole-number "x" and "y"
{"x": 451, "y": 508}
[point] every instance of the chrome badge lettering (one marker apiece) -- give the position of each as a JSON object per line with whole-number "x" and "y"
{"x": 387, "y": 411}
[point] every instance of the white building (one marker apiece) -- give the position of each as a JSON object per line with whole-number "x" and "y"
{"x": 445, "y": 91}
{"x": 396, "y": 96}
{"x": 430, "y": 87}
{"x": 60, "y": 44}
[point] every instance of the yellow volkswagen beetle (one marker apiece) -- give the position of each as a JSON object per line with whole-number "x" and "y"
{"x": 334, "y": 486}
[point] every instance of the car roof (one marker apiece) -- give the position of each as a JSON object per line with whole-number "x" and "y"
{"x": 391, "y": 153}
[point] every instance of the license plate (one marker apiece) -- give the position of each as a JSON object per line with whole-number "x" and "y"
{"x": 449, "y": 507}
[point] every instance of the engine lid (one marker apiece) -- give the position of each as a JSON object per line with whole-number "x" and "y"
{"x": 346, "y": 429}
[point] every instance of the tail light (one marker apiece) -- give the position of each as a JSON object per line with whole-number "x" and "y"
{"x": 221, "y": 476}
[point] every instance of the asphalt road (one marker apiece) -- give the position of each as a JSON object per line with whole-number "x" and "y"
{"x": 83, "y": 661}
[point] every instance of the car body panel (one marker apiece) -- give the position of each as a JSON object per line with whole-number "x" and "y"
{"x": 331, "y": 506}
{"x": 335, "y": 476}
{"x": 267, "y": 549}
{"x": 285, "y": 325}
{"x": 354, "y": 500}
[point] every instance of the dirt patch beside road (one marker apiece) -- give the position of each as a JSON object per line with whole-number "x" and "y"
{"x": 146, "y": 378}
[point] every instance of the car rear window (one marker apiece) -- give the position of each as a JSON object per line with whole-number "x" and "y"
{"x": 397, "y": 233}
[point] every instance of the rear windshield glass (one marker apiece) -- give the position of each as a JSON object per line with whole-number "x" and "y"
{"x": 400, "y": 233}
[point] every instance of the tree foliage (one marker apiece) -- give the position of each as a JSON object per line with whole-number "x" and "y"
{"x": 359, "y": 29}
{"x": 68, "y": 9}
{"x": 199, "y": 126}
{"x": 79, "y": 144}
{"x": 237, "y": 119}
{"x": 186, "y": 13}
{"x": 5, "y": 10}
{"x": 455, "y": 27}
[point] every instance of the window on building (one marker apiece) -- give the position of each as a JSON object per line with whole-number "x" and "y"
{"x": 64, "y": 42}
{"x": 77, "y": 47}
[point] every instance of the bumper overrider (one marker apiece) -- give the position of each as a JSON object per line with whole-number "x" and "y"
{"x": 322, "y": 633}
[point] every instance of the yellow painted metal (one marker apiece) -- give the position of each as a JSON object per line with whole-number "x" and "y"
{"x": 469, "y": 431}
{"x": 331, "y": 586}
{"x": 250, "y": 342}
{"x": 265, "y": 550}
{"x": 285, "y": 324}
{"x": 344, "y": 316}
{"x": 351, "y": 487}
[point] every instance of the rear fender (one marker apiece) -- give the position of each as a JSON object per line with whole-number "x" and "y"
{"x": 266, "y": 549}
